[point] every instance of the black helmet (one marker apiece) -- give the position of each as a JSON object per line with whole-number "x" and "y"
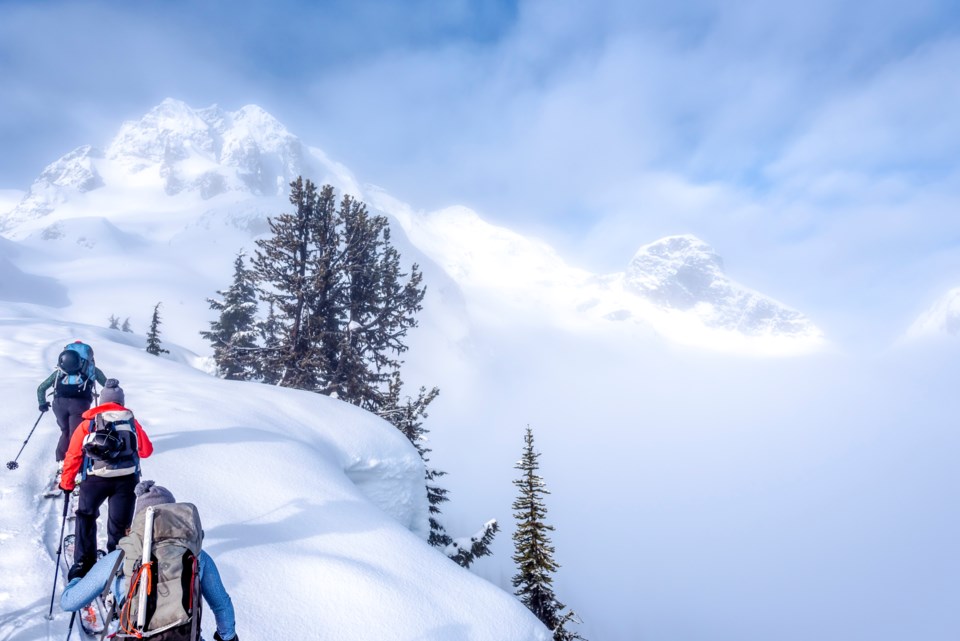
{"x": 102, "y": 446}
{"x": 69, "y": 361}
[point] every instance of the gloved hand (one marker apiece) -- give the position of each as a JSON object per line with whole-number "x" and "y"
{"x": 65, "y": 490}
{"x": 44, "y": 407}
{"x": 217, "y": 637}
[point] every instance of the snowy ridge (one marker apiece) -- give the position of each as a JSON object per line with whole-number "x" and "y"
{"x": 306, "y": 498}
{"x": 675, "y": 286}
{"x": 191, "y": 187}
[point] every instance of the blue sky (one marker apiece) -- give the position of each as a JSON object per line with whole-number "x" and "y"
{"x": 813, "y": 145}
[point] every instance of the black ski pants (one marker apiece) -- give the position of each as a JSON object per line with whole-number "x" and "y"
{"x": 94, "y": 490}
{"x": 69, "y": 414}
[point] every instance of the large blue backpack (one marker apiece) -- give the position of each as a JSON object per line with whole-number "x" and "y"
{"x": 76, "y": 371}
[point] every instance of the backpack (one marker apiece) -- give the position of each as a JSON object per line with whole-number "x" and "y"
{"x": 77, "y": 371}
{"x": 110, "y": 445}
{"x": 171, "y": 578}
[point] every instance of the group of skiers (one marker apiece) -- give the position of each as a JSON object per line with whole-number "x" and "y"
{"x": 100, "y": 449}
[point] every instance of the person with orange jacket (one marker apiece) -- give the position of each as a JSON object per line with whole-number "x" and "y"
{"x": 105, "y": 450}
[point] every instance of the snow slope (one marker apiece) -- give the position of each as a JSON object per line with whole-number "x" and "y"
{"x": 314, "y": 511}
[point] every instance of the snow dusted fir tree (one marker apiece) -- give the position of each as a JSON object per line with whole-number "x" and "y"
{"x": 343, "y": 304}
{"x": 126, "y": 326}
{"x": 114, "y": 322}
{"x": 234, "y": 334}
{"x": 533, "y": 551}
{"x": 153, "y": 336}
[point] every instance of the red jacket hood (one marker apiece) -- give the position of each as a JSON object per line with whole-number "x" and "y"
{"x": 106, "y": 407}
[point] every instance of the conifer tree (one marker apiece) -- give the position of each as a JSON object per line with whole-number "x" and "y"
{"x": 153, "y": 336}
{"x": 381, "y": 307}
{"x": 114, "y": 322}
{"x": 126, "y": 326}
{"x": 284, "y": 263}
{"x": 343, "y": 303}
{"x": 533, "y": 551}
{"x": 466, "y": 551}
{"x": 234, "y": 334}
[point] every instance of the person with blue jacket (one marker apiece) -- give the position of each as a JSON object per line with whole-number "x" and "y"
{"x": 211, "y": 586}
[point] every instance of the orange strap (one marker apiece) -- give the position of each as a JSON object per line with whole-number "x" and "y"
{"x": 125, "y": 623}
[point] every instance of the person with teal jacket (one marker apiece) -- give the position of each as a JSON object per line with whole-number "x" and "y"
{"x": 73, "y": 385}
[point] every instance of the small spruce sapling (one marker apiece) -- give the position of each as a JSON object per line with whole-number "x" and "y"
{"x": 153, "y": 336}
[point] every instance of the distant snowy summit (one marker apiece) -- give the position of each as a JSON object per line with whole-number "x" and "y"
{"x": 684, "y": 273}
{"x": 941, "y": 319}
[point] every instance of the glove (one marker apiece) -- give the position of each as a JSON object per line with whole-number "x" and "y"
{"x": 44, "y": 407}
{"x": 65, "y": 490}
{"x": 217, "y": 637}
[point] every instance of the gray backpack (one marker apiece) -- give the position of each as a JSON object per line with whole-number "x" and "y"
{"x": 170, "y": 609}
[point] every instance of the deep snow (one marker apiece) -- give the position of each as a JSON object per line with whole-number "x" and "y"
{"x": 314, "y": 510}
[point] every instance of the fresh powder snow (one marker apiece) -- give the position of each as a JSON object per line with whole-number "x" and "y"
{"x": 314, "y": 511}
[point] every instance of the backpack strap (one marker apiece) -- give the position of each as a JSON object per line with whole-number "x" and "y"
{"x": 195, "y": 600}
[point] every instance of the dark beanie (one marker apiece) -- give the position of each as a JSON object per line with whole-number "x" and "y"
{"x": 149, "y": 493}
{"x": 112, "y": 392}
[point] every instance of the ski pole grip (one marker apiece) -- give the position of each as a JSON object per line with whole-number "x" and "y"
{"x": 66, "y": 504}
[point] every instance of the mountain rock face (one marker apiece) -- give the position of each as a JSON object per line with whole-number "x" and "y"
{"x": 942, "y": 318}
{"x": 684, "y": 273}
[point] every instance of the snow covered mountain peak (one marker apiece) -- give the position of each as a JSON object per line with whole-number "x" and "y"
{"x": 677, "y": 271}
{"x": 210, "y": 150}
{"x": 943, "y": 317}
{"x": 164, "y": 134}
{"x": 684, "y": 273}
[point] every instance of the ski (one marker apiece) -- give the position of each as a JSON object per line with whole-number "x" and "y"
{"x": 90, "y": 616}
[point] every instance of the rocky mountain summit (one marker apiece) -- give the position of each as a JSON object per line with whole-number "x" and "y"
{"x": 684, "y": 273}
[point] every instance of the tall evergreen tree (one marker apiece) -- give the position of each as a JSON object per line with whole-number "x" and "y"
{"x": 234, "y": 334}
{"x": 380, "y": 307}
{"x": 126, "y": 326}
{"x": 284, "y": 265}
{"x": 114, "y": 322}
{"x": 342, "y": 300}
{"x": 153, "y": 336}
{"x": 533, "y": 552}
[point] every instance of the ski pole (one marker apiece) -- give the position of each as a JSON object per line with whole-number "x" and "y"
{"x": 56, "y": 571}
{"x": 70, "y": 629}
{"x": 12, "y": 465}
